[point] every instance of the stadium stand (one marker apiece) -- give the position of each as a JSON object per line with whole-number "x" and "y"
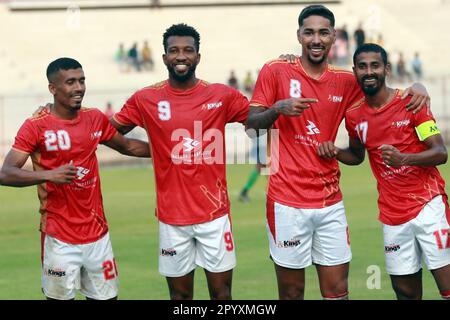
{"x": 233, "y": 37}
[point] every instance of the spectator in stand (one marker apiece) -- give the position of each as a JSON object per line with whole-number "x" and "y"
{"x": 341, "y": 47}
{"x": 133, "y": 59}
{"x": 121, "y": 57}
{"x": 402, "y": 73}
{"x": 360, "y": 36}
{"x": 417, "y": 66}
{"x": 249, "y": 83}
{"x": 147, "y": 57}
{"x": 109, "y": 110}
{"x": 233, "y": 81}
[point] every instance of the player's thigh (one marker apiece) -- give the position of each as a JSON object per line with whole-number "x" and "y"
{"x": 219, "y": 284}
{"x": 176, "y": 250}
{"x": 291, "y": 283}
{"x": 331, "y": 241}
{"x": 432, "y": 232}
{"x": 181, "y": 288}
{"x": 215, "y": 249}
{"x": 401, "y": 250}
{"x": 61, "y": 263}
{"x": 442, "y": 278}
{"x": 290, "y": 232}
{"x": 99, "y": 275}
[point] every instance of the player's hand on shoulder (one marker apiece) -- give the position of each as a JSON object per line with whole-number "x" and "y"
{"x": 291, "y": 58}
{"x": 419, "y": 97}
{"x": 63, "y": 174}
{"x": 327, "y": 150}
{"x": 42, "y": 110}
{"x": 293, "y": 106}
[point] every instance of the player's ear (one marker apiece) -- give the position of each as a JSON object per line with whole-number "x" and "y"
{"x": 199, "y": 56}
{"x": 52, "y": 88}
{"x": 164, "y": 57}
{"x": 388, "y": 69}
{"x": 299, "y": 36}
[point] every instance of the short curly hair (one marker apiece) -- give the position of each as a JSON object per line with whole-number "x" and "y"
{"x": 181, "y": 30}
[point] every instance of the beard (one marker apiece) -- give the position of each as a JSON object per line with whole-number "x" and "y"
{"x": 318, "y": 60}
{"x": 372, "y": 90}
{"x": 182, "y": 77}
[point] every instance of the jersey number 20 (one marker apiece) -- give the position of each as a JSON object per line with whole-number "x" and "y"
{"x": 58, "y": 140}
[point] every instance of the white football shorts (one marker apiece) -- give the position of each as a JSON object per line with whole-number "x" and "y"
{"x": 426, "y": 236}
{"x": 301, "y": 237}
{"x": 208, "y": 245}
{"x": 89, "y": 268}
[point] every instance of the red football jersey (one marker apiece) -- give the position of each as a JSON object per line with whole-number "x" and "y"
{"x": 186, "y": 133}
{"x": 302, "y": 179}
{"x": 73, "y": 212}
{"x": 403, "y": 191}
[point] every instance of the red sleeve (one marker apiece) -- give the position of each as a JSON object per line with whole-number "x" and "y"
{"x": 130, "y": 115}
{"x": 108, "y": 131}
{"x": 238, "y": 107}
{"x": 352, "y": 92}
{"x": 422, "y": 116}
{"x": 265, "y": 91}
{"x": 27, "y": 138}
{"x": 350, "y": 126}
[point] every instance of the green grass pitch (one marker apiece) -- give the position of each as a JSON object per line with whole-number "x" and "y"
{"x": 129, "y": 198}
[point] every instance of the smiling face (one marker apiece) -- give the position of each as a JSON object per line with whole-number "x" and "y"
{"x": 316, "y": 35}
{"x": 181, "y": 58}
{"x": 370, "y": 71}
{"x": 68, "y": 88}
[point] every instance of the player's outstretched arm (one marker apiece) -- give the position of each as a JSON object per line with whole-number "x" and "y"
{"x": 435, "y": 155}
{"x": 128, "y": 146}
{"x": 15, "y": 176}
{"x": 120, "y": 127}
{"x": 260, "y": 118}
{"x": 420, "y": 97}
{"x": 352, "y": 156}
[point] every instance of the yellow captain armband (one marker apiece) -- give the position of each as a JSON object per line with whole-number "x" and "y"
{"x": 427, "y": 129}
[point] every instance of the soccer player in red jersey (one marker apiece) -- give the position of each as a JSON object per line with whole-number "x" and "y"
{"x": 404, "y": 150}
{"x": 306, "y": 101}
{"x": 185, "y": 119}
{"x": 76, "y": 248}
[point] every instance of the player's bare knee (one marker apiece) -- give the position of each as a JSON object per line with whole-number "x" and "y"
{"x": 293, "y": 292}
{"x": 181, "y": 295}
{"x": 223, "y": 294}
{"x": 336, "y": 290}
{"x": 404, "y": 293}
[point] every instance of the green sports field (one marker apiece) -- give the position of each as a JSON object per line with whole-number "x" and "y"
{"x": 129, "y": 197}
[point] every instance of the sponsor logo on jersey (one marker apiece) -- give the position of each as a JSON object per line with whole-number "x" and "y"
{"x": 82, "y": 172}
{"x": 334, "y": 98}
{"x": 95, "y": 135}
{"x": 168, "y": 252}
{"x": 55, "y": 272}
{"x": 400, "y": 123}
{"x": 392, "y": 172}
{"x": 288, "y": 243}
{"x": 391, "y": 248}
{"x": 190, "y": 144}
{"x": 312, "y": 128}
{"x": 213, "y": 105}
